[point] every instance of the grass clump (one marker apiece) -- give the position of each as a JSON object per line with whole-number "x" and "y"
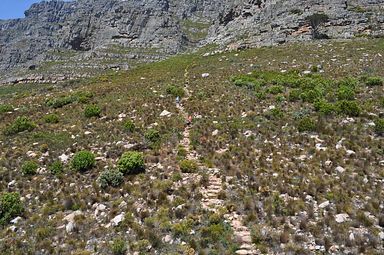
{"x": 83, "y": 160}
{"x": 92, "y": 111}
{"x": 110, "y": 178}
{"x": 188, "y": 166}
{"x": 19, "y": 125}
{"x": 10, "y": 207}
{"x": 56, "y": 168}
{"x": 152, "y": 136}
{"x": 379, "y": 126}
{"x": 5, "y": 108}
{"x": 60, "y": 102}
{"x": 29, "y": 167}
{"x": 324, "y": 107}
{"x": 175, "y": 90}
{"x": 374, "y": 81}
{"x": 131, "y": 162}
{"x": 306, "y": 124}
{"x": 345, "y": 93}
{"x": 51, "y": 118}
{"x": 118, "y": 246}
{"x": 129, "y": 126}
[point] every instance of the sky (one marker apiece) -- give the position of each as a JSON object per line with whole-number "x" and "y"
{"x": 11, "y": 9}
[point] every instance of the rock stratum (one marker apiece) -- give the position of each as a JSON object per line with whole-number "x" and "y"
{"x": 58, "y": 37}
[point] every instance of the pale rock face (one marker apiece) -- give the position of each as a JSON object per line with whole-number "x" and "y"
{"x": 88, "y": 26}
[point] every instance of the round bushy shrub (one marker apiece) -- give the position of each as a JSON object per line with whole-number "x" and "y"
{"x": 175, "y": 90}
{"x": 152, "y": 135}
{"x": 294, "y": 95}
{"x": 5, "y": 108}
{"x": 118, "y": 246}
{"x": 129, "y": 126}
{"x": 92, "y": 111}
{"x": 83, "y": 160}
{"x": 29, "y": 168}
{"x": 56, "y": 167}
{"x": 345, "y": 93}
{"x": 19, "y": 125}
{"x": 10, "y": 207}
{"x": 110, "y": 178}
{"x": 51, "y": 118}
{"x": 324, "y": 107}
{"x": 188, "y": 166}
{"x": 379, "y": 126}
{"x": 131, "y": 162}
{"x": 306, "y": 124}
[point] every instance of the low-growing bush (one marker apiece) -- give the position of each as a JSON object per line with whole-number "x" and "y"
{"x": 175, "y": 90}
{"x": 10, "y": 207}
{"x": 188, "y": 166}
{"x": 306, "y": 124}
{"x": 51, "y": 118}
{"x": 311, "y": 95}
{"x": 29, "y": 167}
{"x": 19, "y": 125}
{"x": 56, "y": 168}
{"x": 348, "y": 82}
{"x": 5, "y": 108}
{"x": 83, "y": 160}
{"x": 345, "y": 93}
{"x": 92, "y": 111}
{"x": 84, "y": 97}
{"x": 110, "y": 178}
{"x": 294, "y": 95}
{"x": 152, "y": 135}
{"x": 60, "y": 102}
{"x": 118, "y": 246}
{"x": 129, "y": 126}
{"x": 350, "y": 108}
{"x": 324, "y": 107}
{"x": 374, "y": 81}
{"x": 131, "y": 162}
{"x": 277, "y": 89}
{"x": 379, "y": 126}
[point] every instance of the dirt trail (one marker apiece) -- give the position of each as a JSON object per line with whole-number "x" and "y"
{"x": 211, "y": 194}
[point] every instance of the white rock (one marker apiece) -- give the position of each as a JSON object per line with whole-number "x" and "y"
{"x": 165, "y": 113}
{"x": 324, "y": 204}
{"x": 351, "y": 237}
{"x": 11, "y": 184}
{"x": 101, "y": 207}
{"x": 167, "y": 239}
{"x": 31, "y": 154}
{"x": 16, "y": 220}
{"x": 342, "y": 217}
{"x": 71, "y": 217}
{"x": 340, "y": 169}
{"x": 205, "y": 75}
{"x": 307, "y": 72}
{"x": 13, "y": 228}
{"x": 328, "y": 163}
{"x": 70, "y": 227}
{"x": 350, "y": 152}
{"x": 381, "y": 235}
{"x": 87, "y": 132}
{"x": 63, "y": 158}
{"x": 215, "y": 133}
{"x": 116, "y": 221}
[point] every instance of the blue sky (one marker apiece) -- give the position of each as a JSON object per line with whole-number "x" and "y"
{"x": 14, "y": 8}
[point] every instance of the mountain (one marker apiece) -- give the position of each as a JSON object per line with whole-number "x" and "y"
{"x": 95, "y": 34}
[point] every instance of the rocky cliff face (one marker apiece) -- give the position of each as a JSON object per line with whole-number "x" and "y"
{"x": 122, "y": 30}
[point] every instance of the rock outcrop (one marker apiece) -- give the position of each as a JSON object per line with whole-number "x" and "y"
{"x": 153, "y": 29}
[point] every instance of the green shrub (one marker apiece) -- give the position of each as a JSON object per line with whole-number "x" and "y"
{"x": 29, "y": 167}
{"x": 379, "y": 126}
{"x": 84, "y": 97}
{"x": 188, "y": 166}
{"x": 56, "y": 168}
{"x": 374, "y": 81}
{"x": 324, "y": 107}
{"x": 306, "y": 124}
{"x": 152, "y": 135}
{"x": 345, "y": 93}
{"x": 275, "y": 113}
{"x": 245, "y": 81}
{"x": 19, "y": 125}
{"x": 110, "y": 178}
{"x": 294, "y": 95}
{"x": 350, "y": 108}
{"x": 92, "y": 111}
{"x": 5, "y": 108}
{"x": 348, "y": 82}
{"x": 10, "y": 207}
{"x": 277, "y": 89}
{"x": 129, "y": 126}
{"x": 311, "y": 95}
{"x": 175, "y": 90}
{"x": 381, "y": 102}
{"x": 83, "y": 160}
{"x": 131, "y": 162}
{"x": 118, "y": 246}
{"x": 51, "y": 118}
{"x": 60, "y": 102}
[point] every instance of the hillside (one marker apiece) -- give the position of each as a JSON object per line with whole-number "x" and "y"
{"x": 62, "y": 40}
{"x": 284, "y": 155}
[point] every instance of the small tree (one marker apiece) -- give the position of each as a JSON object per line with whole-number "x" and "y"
{"x": 315, "y": 21}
